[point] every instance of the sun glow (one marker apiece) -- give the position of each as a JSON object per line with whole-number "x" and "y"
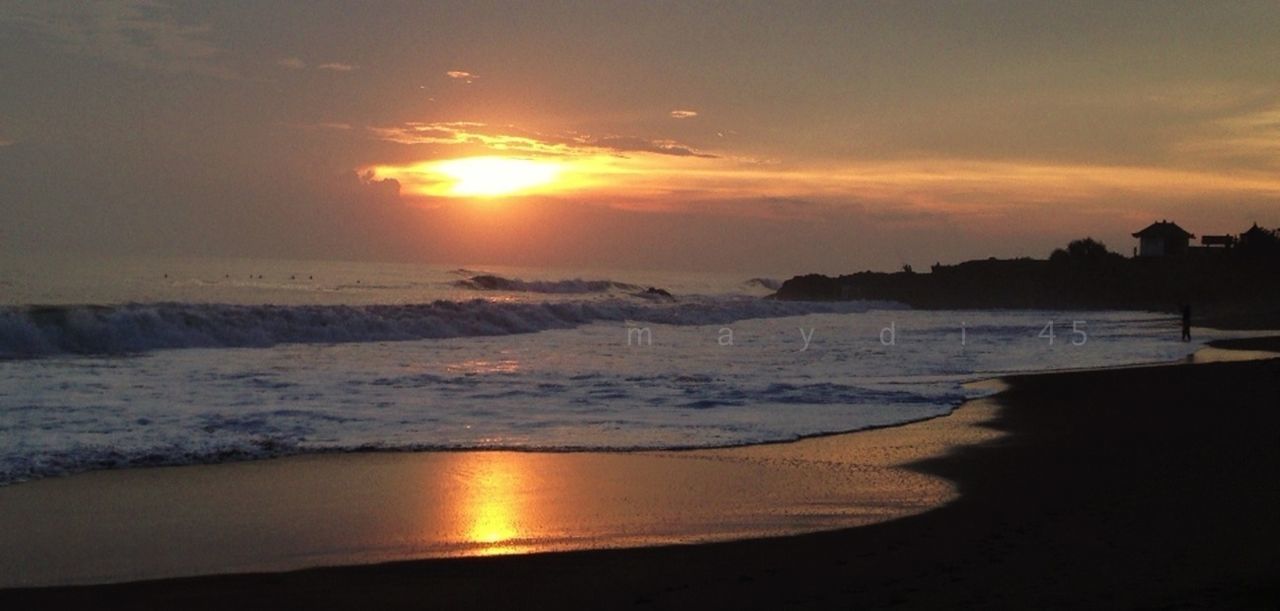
{"x": 495, "y": 176}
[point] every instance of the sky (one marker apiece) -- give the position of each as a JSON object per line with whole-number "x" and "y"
{"x": 762, "y": 137}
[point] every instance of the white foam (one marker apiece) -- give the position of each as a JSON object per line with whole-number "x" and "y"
{"x": 133, "y": 328}
{"x": 588, "y": 385}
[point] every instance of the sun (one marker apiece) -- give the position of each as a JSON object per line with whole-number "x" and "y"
{"x": 495, "y": 176}
{"x": 490, "y": 177}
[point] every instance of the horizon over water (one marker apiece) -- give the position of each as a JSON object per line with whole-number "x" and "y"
{"x": 161, "y": 361}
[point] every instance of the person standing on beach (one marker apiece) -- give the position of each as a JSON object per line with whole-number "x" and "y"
{"x": 1186, "y": 323}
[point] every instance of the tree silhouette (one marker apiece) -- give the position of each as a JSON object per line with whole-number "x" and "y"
{"x": 1086, "y": 250}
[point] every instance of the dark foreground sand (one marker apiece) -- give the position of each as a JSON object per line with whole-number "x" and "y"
{"x": 1146, "y": 487}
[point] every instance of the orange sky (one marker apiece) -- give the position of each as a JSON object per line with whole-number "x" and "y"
{"x": 760, "y": 136}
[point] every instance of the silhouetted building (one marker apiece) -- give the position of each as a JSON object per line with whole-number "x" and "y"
{"x": 1163, "y": 239}
{"x": 1218, "y": 241}
{"x": 1256, "y": 235}
{"x": 1259, "y": 242}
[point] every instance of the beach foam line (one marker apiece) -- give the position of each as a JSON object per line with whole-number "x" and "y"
{"x": 341, "y": 509}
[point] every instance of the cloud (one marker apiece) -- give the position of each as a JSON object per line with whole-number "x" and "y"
{"x": 326, "y": 126}
{"x": 294, "y": 63}
{"x": 461, "y": 75}
{"x": 640, "y": 145}
{"x": 134, "y": 33}
{"x": 652, "y": 173}
{"x": 1251, "y": 138}
{"x": 472, "y": 133}
{"x": 337, "y": 67}
{"x": 984, "y": 193}
{"x": 512, "y": 139}
{"x": 683, "y": 114}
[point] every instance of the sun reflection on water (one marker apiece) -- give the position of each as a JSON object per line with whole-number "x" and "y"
{"x": 483, "y": 366}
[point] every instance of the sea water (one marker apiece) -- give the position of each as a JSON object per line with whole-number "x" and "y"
{"x": 138, "y": 362}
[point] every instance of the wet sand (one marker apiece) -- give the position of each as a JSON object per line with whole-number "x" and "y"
{"x": 344, "y": 509}
{"x": 1140, "y": 487}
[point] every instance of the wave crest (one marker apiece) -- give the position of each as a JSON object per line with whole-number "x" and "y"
{"x": 489, "y": 282}
{"x": 28, "y": 331}
{"x": 764, "y": 283}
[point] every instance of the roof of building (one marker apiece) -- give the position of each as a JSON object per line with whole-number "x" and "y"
{"x": 1254, "y": 231}
{"x": 1164, "y": 229}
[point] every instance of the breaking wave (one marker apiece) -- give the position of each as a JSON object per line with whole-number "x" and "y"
{"x": 489, "y": 282}
{"x": 29, "y": 331}
{"x": 765, "y": 283}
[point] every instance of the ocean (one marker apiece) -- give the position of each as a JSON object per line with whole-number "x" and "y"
{"x": 144, "y": 361}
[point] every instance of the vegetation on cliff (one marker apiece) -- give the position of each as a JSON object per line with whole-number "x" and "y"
{"x": 1233, "y": 283}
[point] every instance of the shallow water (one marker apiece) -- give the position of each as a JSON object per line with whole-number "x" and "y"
{"x": 219, "y": 376}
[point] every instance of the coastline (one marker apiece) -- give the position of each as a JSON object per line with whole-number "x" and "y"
{"x": 1075, "y": 506}
{"x": 362, "y": 508}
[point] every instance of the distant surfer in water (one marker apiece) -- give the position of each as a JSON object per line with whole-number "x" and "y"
{"x": 1186, "y": 323}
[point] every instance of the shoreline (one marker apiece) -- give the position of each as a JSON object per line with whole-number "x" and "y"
{"x": 1232, "y": 349}
{"x": 405, "y": 505}
{"x": 989, "y": 487}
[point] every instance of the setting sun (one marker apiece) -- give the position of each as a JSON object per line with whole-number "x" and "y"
{"x": 495, "y": 176}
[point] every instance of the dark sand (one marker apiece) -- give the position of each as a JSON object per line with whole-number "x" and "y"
{"x": 1141, "y": 487}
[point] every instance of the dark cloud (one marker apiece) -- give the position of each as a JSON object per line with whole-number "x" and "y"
{"x": 141, "y": 34}
{"x": 511, "y": 138}
{"x": 624, "y": 144}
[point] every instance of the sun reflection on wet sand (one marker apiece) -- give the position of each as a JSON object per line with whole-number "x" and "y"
{"x": 493, "y": 503}
{"x": 381, "y": 507}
